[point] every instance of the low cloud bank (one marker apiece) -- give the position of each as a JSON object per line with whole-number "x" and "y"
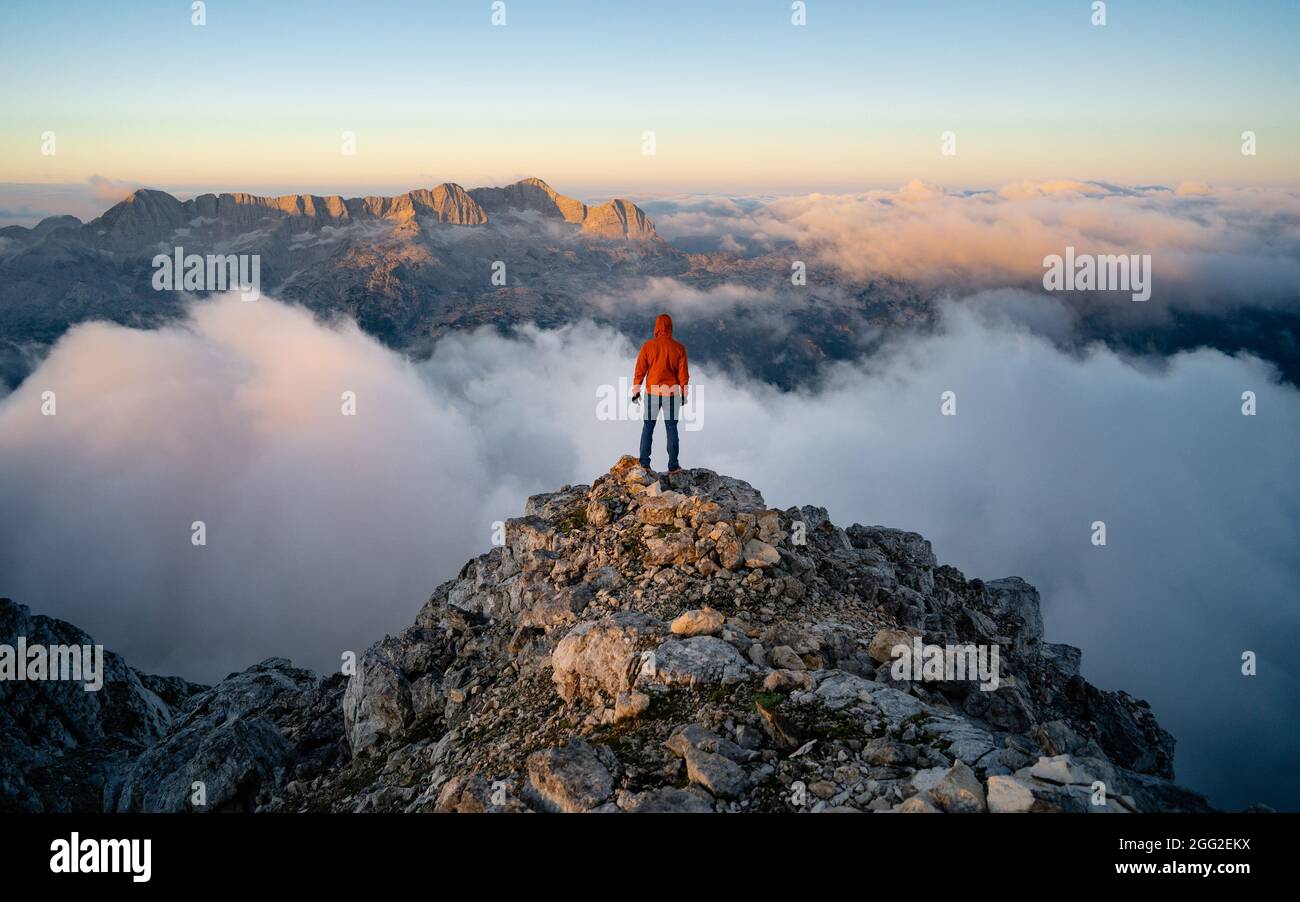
{"x": 1211, "y": 248}
{"x": 324, "y": 530}
{"x": 26, "y": 204}
{"x": 109, "y": 191}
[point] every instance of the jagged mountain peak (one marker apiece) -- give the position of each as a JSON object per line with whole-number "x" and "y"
{"x": 143, "y": 213}
{"x": 660, "y": 643}
{"x": 147, "y": 213}
{"x": 150, "y": 198}
{"x": 617, "y": 218}
{"x": 672, "y": 643}
{"x": 537, "y": 183}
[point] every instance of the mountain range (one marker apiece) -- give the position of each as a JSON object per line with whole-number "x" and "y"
{"x": 411, "y": 268}
{"x": 145, "y": 214}
{"x": 414, "y": 267}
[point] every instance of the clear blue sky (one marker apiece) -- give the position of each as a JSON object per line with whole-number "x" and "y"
{"x": 738, "y": 98}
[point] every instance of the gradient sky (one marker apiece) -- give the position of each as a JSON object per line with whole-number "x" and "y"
{"x": 739, "y": 99}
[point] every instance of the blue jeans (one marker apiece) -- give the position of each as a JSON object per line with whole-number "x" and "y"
{"x": 651, "y": 406}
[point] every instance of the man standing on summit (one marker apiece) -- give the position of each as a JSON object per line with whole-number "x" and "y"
{"x": 662, "y": 366}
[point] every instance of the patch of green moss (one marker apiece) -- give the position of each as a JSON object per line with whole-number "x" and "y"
{"x": 573, "y": 520}
{"x": 719, "y": 694}
{"x": 839, "y": 727}
{"x": 633, "y": 547}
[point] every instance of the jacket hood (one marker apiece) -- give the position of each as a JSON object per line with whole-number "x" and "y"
{"x": 663, "y": 325}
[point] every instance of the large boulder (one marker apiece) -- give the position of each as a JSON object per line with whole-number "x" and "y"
{"x": 698, "y": 622}
{"x": 660, "y": 508}
{"x": 960, "y": 791}
{"x": 1007, "y": 795}
{"x": 718, "y": 774}
{"x": 397, "y": 684}
{"x": 573, "y": 778}
{"x": 1014, "y": 604}
{"x": 883, "y": 643}
{"x": 693, "y": 662}
{"x": 598, "y": 659}
{"x": 227, "y": 752}
{"x": 758, "y": 554}
{"x": 673, "y": 548}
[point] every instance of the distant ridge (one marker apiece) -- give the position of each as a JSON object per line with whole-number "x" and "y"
{"x": 145, "y": 211}
{"x": 616, "y": 218}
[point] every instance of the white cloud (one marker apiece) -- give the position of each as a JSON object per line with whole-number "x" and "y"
{"x": 106, "y": 191}
{"x": 326, "y": 531}
{"x": 1211, "y": 248}
{"x": 1193, "y": 189}
{"x": 667, "y": 294}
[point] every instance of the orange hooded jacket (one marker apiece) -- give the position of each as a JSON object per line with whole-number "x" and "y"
{"x": 662, "y": 362}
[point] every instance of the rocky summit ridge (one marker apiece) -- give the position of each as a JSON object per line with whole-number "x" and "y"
{"x": 148, "y": 213}
{"x": 647, "y": 643}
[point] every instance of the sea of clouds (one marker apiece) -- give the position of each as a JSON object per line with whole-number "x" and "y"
{"x": 1213, "y": 249}
{"x": 325, "y": 531}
